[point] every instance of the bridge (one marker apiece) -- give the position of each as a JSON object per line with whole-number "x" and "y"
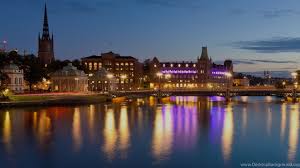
{"x": 248, "y": 91}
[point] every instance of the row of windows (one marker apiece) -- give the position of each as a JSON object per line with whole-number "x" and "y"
{"x": 185, "y": 76}
{"x": 126, "y": 69}
{"x": 122, "y": 64}
{"x": 178, "y": 65}
{"x": 98, "y": 65}
{"x": 17, "y": 81}
{"x": 117, "y": 81}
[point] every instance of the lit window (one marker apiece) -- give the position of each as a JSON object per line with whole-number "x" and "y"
{"x": 131, "y": 64}
{"x": 126, "y": 63}
{"x": 171, "y": 65}
{"x": 95, "y": 65}
{"x": 179, "y": 65}
{"x": 194, "y": 65}
{"x": 164, "y": 65}
{"x": 90, "y": 66}
{"x": 155, "y": 66}
{"x": 186, "y": 65}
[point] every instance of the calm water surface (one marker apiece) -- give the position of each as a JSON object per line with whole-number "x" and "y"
{"x": 175, "y": 132}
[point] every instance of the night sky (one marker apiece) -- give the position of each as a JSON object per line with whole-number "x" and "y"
{"x": 256, "y": 34}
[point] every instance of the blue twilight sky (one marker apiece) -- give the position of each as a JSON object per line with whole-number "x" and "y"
{"x": 256, "y": 34}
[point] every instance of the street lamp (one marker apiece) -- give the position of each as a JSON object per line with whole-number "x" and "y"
{"x": 294, "y": 75}
{"x": 109, "y": 77}
{"x": 123, "y": 77}
{"x": 159, "y": 75}
{"x": 228, "y": 76}
{"x": 168, "y": 76}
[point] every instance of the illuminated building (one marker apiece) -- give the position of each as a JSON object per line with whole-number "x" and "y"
{"x": 69, "y": 79}
{"x": 126, "y": 70}
{"x": 241, "y": 81}
{"x": 202, "y": 73}
{"x": 15, "y": 81}
{"x": 101, "y": 80}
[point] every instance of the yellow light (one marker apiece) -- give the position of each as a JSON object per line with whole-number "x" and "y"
{"x": 294, "y": 74}
{"x": 159, "y": 74}
{"x": 168, "y": 76}
{"x": 109, "y": 76}
{"x": 228, "y": 74}
{"x": 123, "y": 76}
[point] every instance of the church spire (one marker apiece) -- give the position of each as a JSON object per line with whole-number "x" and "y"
{"x": 204, "y": 54}
{"x": 45, "y": 25}
{"x": 46, "y": 49}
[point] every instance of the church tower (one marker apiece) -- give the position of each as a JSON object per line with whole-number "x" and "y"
{"x": 46, "y": 50}
{"x": 204, "y": 65}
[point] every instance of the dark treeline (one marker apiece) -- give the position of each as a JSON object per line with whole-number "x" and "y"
{"x": 34, "y": 71}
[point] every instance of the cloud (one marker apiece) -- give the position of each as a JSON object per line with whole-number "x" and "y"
{"x": 172, "y": 3}
{"x": 256, "y": 61}
{"x": 278, "y": 13}
{"x": 275, "y": 62}
{"x": 237, "y": 11}
{"x": 80, "y": 6}
{"x": 236, "y": 62}
{"x": 273, "y": 45}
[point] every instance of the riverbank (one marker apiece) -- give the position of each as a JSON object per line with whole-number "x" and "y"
{"x": 53, "y": 99}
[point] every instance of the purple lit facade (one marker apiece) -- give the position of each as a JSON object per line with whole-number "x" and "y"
{"x": 200, "y": 74}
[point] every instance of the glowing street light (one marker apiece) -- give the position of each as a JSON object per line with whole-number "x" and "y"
{"x": 123, "y": 76}
{"x": 168, "y": 76}
{"x": 294, "y": 74}
{"x": 228, "y": 74}
{"x": 159, "y": 74}
{"x": 109, "y": 76}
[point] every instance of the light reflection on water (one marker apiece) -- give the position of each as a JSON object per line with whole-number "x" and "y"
{"x": 294, "y": 132}
{"x": 174, "y": 131}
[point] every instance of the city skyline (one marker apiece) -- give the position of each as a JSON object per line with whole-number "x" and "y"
{"x": 107, "y": 25}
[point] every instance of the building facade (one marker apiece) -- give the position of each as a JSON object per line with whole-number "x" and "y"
{"x": 241, "y": 82}
{"x": 101, "y": 81}
{"x": 200, "y": 74}
{"x": 126, "y": 70}
{"x": 46, "y": 48}
{"x": 15, "y": 81}
{"x": 69, "y": 79}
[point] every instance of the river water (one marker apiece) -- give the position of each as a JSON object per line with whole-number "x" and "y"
{"x": 172, "y": 132}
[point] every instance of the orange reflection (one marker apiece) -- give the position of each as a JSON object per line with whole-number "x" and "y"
{"x": 110, "y": 135}
{"x": 227, "y": 136}
{"x": 244, "y": 120}
{"x": 91, "y": 121}
{"x": 162, "y": 133}
{"x": 76, "y": 129}
{"x": 34, "y": 121}
{"x": 293, "y": 132}
{"x": 7, "y": 132}
{"x": 283, "y": 121}
{"x": 269, "y": 120}
{"x": 44, "y": 127}
{"x": 124, "y": 131}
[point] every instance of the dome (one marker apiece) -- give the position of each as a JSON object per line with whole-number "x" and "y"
{"x": 69, "y": 70}
{"x": 101, "y": 73}
{"x": 11, "y": 66}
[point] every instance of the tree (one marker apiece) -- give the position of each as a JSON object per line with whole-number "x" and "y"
{"x": 34, "y": 71}
{"x": 3, "y": 84}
